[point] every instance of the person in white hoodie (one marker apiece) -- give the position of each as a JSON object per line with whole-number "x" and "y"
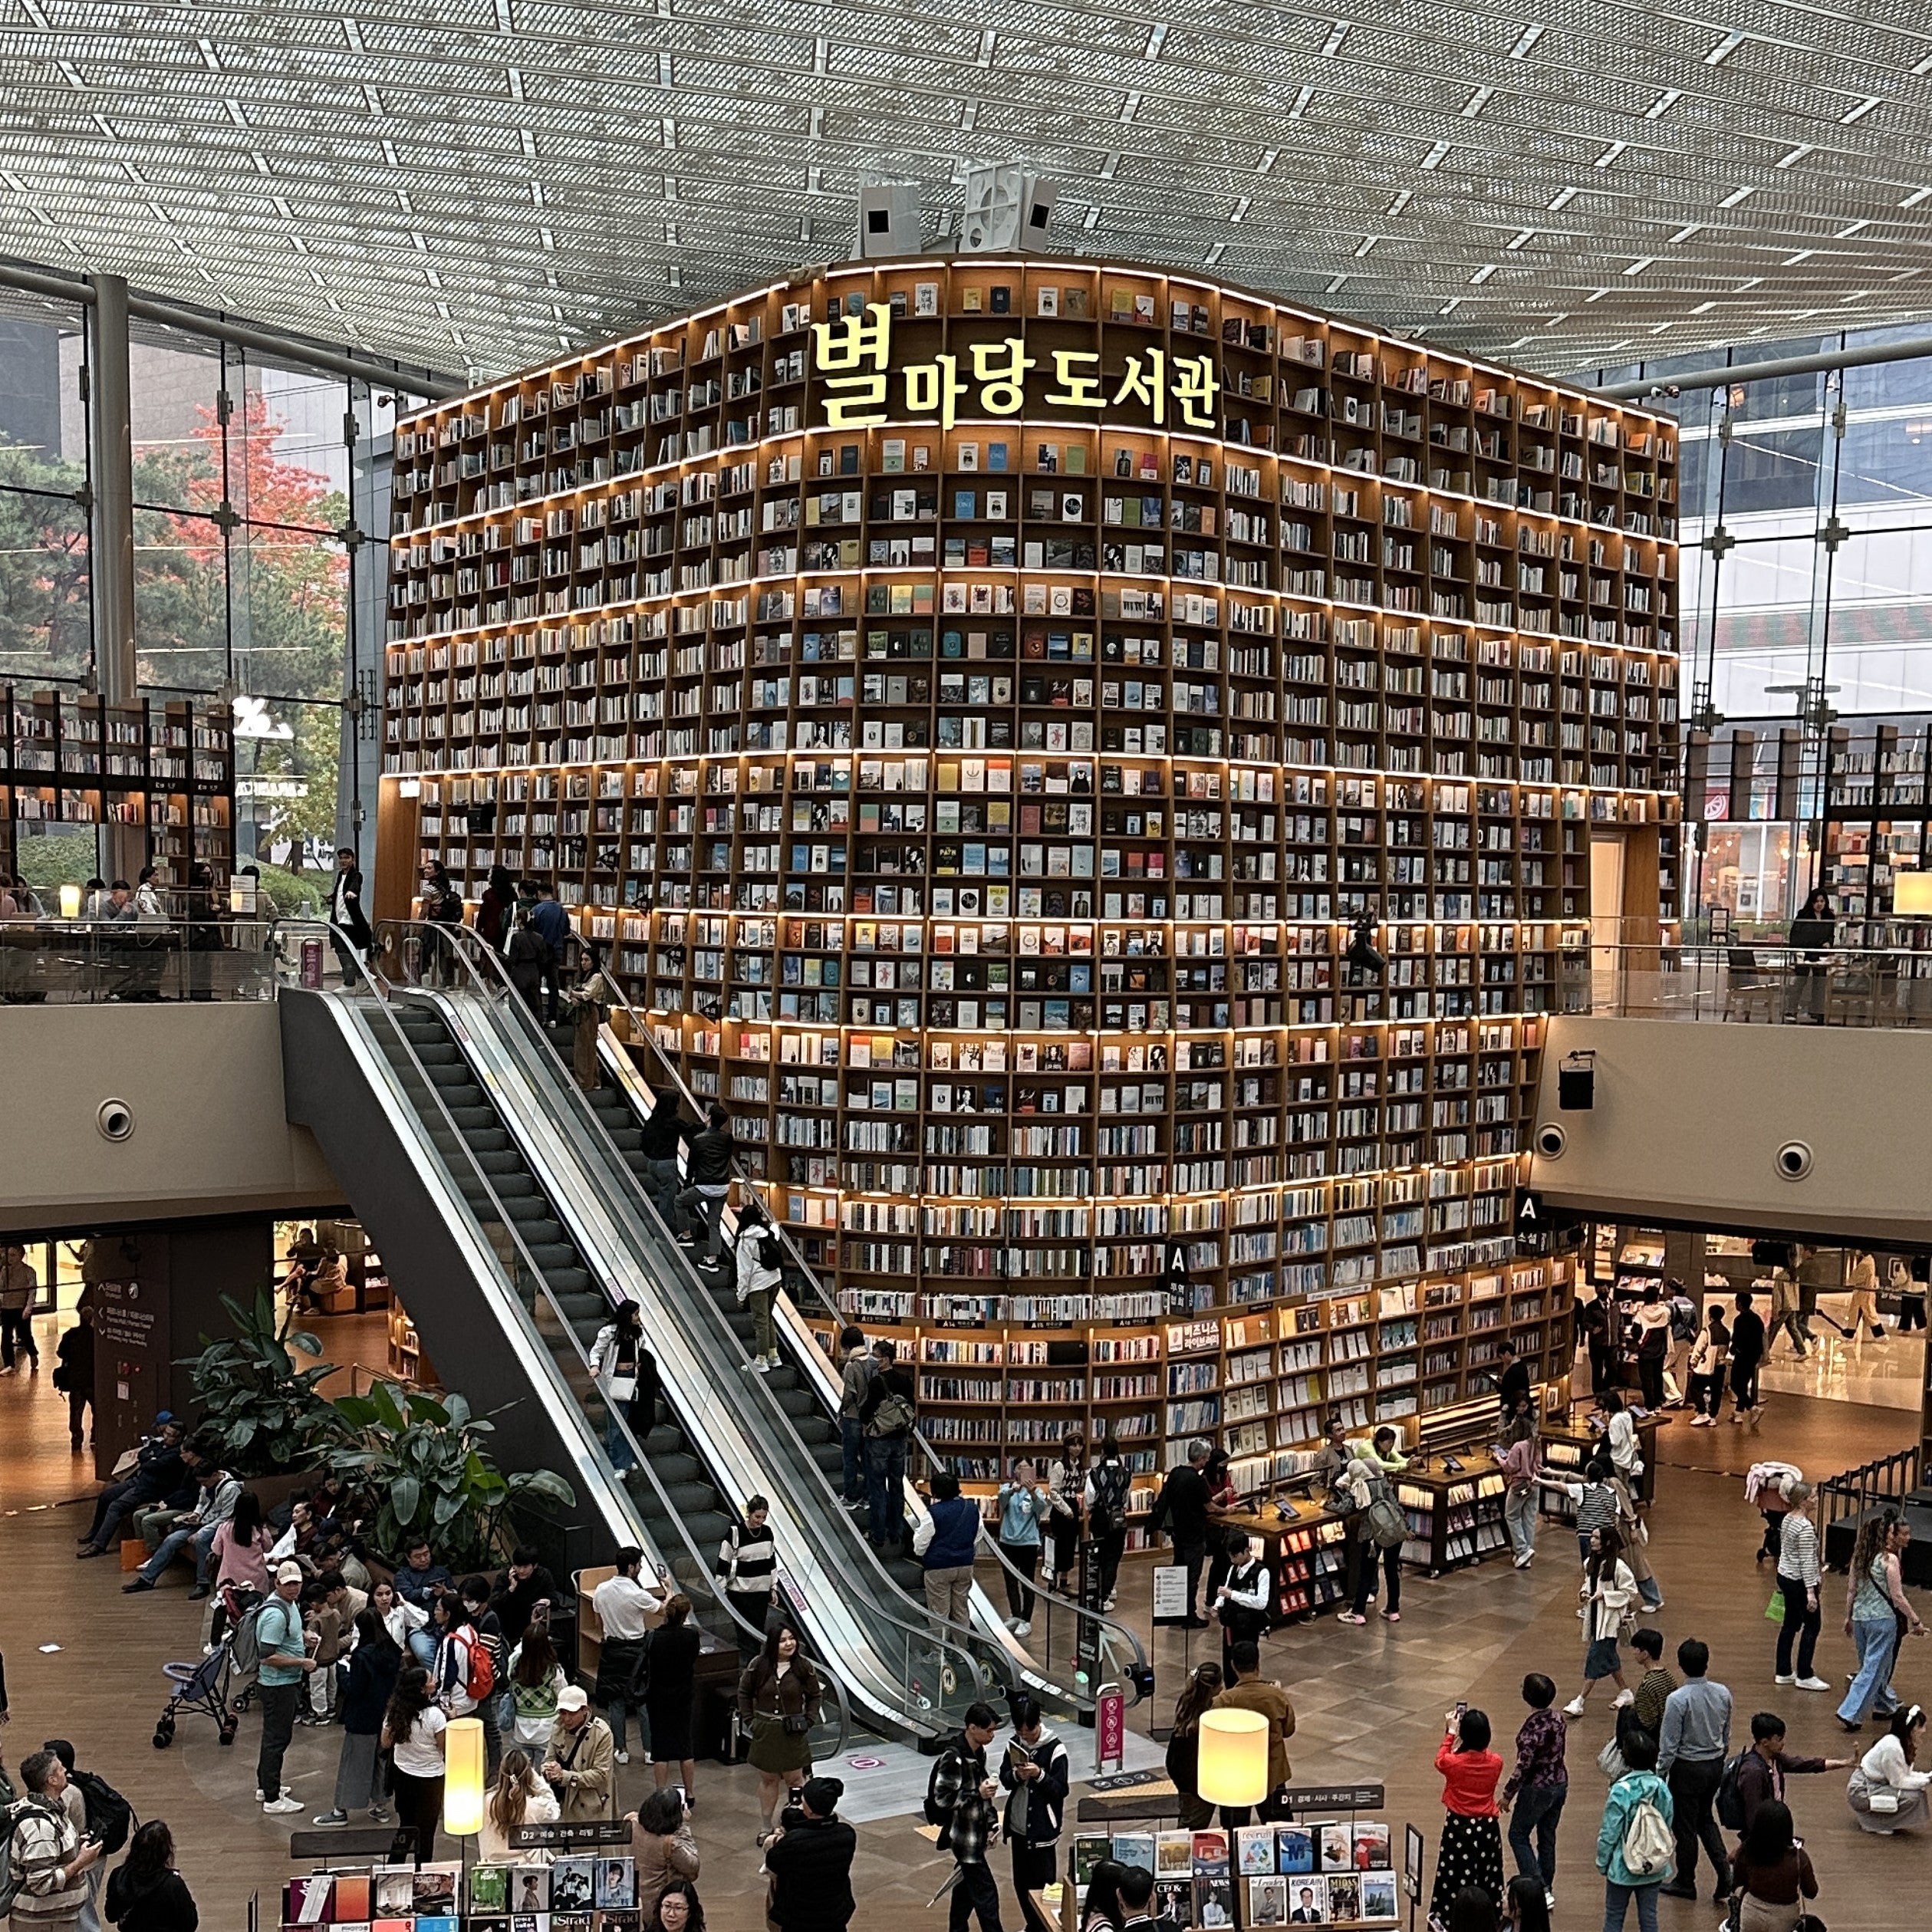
{"x": 761, "y": 1270}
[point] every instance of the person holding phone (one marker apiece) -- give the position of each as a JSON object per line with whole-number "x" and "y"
{"x": 1471, "y": 1840}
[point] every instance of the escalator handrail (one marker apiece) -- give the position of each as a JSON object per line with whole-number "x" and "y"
{"x": 769, "y": 1431}
{"x": 381, "y": 1001}
{"x": 1122, "y": 1636}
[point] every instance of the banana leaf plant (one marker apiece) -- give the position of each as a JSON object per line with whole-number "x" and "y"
{"x": 263, "y": 1408}
{"x": 425, "y": 1457}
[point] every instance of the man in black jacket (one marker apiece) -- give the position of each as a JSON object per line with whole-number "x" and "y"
{"x": 526, "y": 1584}
{"x": 707, "y": 1172}
{"x": 158, "y": 1470}
{"x": 811, "y": 1863}
{"x": 1034, "y": 1769}
{"x": 1181, "y": 1507}
{"x": 885, "y": 1415}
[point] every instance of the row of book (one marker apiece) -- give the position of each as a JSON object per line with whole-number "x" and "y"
{"x": 1323, "y": 1872}
{"x": 567, "y": 1889}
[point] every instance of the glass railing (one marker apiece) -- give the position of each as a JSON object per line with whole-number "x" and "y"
{"x": 81, "y": 962}
{"x": 923, "y": 1674}
{"x": 1766, "y": 985}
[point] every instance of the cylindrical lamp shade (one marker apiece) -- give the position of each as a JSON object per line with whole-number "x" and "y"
{"x": 69, "y": 902}
{"x": 1233, "y": 1757}
{"x": 462, "y": 1777}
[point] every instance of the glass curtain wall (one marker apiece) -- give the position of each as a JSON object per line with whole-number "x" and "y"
{"x": 251, "y": 477}
{"x": 1806, "y": 592}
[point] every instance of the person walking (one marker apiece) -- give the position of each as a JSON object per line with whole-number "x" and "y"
{"x": 1067, "y": 1480}
{"x": 517, "y": 1796}
{"x": 1244, "y": 1604}
{"x": 1619, "y": 1435}
{"x": 145, "y": 1893}
{"x": 887, "y": 1414}
{"x": 1746, "y": 1355}
{"x": 1761, "y": 1771}
{"x": 285, "y": 1663}
{"x": 1183, "y": 1752}
{"x": 1594, "y": 1496}
{"x": 18, "y": 1285}
{"x": 581, "y": 1765}
{"x": 412, "y": 1734}
{"x": 369, "y": 1676}
{"x": 1024, "y": 1504}
{"x": 1910, "y": 1290}
{"x": 1646, "y": 1709}
{"x": 1109, "y": 1485}
{"x": 1639, "y": 1797}
{"x": 1636, "y": 1535}
{"x": 1861, "y": 1280}
{"x": 1771, "y": 1873}
{"x": 747, "y": 1573}
{"x": 1799, "y": 1581}
{"x": 1471, "y": 1853}
{"x": 810, "y": 1860}
{"x": 1684, "y": 1325}
{"x": 1034, "y": 1769}
{"x": 856, "y": 1371}
{"x": 1710, "y": 1354}
{"x": 626, "y": 1611}
{"x": 1538, "y": 1785}
{"x": 758, "y": 1257}
{"x": 48, "y": 1858}
{"x": 670, "y": 1697}
{"x": 708, "y": 1165}
{"x": 1247, "y": 1690}
{"x": 73, "y": 1374}
{"x": 535, "y": 1678}
{"x": 1609, "y": 1594}
{"x": 1878, "y": 1615}
{"x": 662, "y": 1847}
{"x": 946, "y": 1542}
{"x": 962, "y": 1795}
{"x": 1785, "y": 1311}
{"x": 1886, "y": 1791}
{"x": 1692, "y": 1743}
{"x": 1518, "y": 1456}
{"x": 778, "y": 1699}
{"x": 617, "y": 1363}
{"x": 1181, "y": 1510}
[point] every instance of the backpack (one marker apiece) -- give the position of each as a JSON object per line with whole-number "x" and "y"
{"x": 482, "y": 1668}
{"x": 1386, "y": 1526}
{"x": 1683, "y": 1318}
{"x": 770, "y": 1249}
{"x": 936, "y": 1813}
{"x": 893, "y": 1416}
{"x": 1649, "y": 1850}
{"x": 9, "y": 1877}
{"x": 111, "y": 1818}
{"x": 1111, "y": 1483}
{"x": 1729, "y": 1802}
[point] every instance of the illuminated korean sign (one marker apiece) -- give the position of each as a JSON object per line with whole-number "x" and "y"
{"x": 863, "y": 386}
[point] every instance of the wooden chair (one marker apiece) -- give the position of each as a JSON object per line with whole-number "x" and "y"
{"x": 1749, "y": 993}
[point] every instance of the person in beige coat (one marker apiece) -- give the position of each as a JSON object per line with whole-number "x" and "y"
{"x": 582, "y": 1766}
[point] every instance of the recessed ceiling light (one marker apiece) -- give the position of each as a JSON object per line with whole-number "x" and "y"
{"x": 1337, "y": 34}
{"x": 1521, "y": 239}
{"x": 1301, "y": 104}
{"x": 1685, "y": 232}
{"x": 1477, "y": 102}
{"x": 1863, "y": 108}
{"x": 1482, "y": 275}
{"x": 1915, "y": 197}
{"x": 1401, "y": 201}
{"x": 1642, "y": 262}
{"x": 1365, "y": 244}
{"x": 1796, "y": 155}
{"x": 1157, "y": 39}
{"x": 1663, "y": 104}
{"x": 1845, "y": 234}
{"x": 1562, "y": 198}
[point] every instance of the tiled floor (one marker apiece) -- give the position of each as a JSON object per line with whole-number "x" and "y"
{"x": 1369, "y": 1701}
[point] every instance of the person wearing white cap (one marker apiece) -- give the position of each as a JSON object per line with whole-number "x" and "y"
{"x": 285, "y": 1663}
{"x": 581, "y": 1767}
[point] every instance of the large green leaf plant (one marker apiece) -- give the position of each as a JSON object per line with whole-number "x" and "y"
{"x": 263, "y": 1409}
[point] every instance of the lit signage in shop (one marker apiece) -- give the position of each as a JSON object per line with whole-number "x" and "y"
{"x": 854, "y": 355}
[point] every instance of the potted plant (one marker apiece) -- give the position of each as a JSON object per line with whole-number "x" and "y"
{"x": 263, "y": 1409}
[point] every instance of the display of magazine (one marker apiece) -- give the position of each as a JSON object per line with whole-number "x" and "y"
{"x": 392, "y": 1891}
{"x": 1268, "y": 1901}
{"x": 530, "y": 1888}
{"x": 1214, "y": 1903}
{"x": 1378, "y": 1895}
{"x": 1336, "y": 1845}
{"x": 1173, "y": 1903}
{"x": 1210, "y": 1854}
{"x": 1344, "y": 1899}
{"x": 434, "y": 1893}
{"x": 1173, "y": 1853}
{"x": 1293, "y": 1848}
{"x": 1254, "y": 1846}
{"x": 1090, "y": 1848}
{"x": 1308, "y": 1901}
{"x": 1134, "y": 1848}
{"x": 573, "y": 1885}
{"x": 489, "y": 1889}
{"x": 305, "y": 1901}
{"x": 1372, "y": 1844}
{"x": 351, "y": 1904}
{"x": 616, "y": 1884}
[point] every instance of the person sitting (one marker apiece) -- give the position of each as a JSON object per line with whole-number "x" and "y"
{"x": 526, "y": 1584}
{"x": 157, "y": 1471}
{"x": 1886, "y": 1791}
{"x": 214, "y": 1506}
{"x": 418, "y": 1582}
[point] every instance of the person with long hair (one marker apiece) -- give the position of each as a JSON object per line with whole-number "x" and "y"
{"x": 535, "y": 1678}
{"x": 413, "y": 1729}
{"x": 1525, "y": 1906}
{"x": 661, "y": 1846}
{"x": 1886, "y": 1791}
{"x": 1799, "y": 1580}
{"x": 1108, "y": 1486}
{"x": 678, "y": 1909}
{"x": 145, "y": 1893}
{"x": 370, "y": 1682}
{"x": 517, "y": 1797}
{"x": 1517, "y": 1454}
{"x": 496, "y": 907}
{"x": 778, "y": 1697}
{"x": 1101, "y": 1909}
{"x": 1771, "y": 1873}
{"x": 1609, "y": 1592}
{"x": 671, "y": 1697}
{"x": 1184, "y": 1745}
{"x": 1067, "y": 1480}
{"x": 1472, "y": 1909}
{"x": 1877, "y": 1615}
{"x": 1471, "y": 1854}
{"x": 618, "y": 1359}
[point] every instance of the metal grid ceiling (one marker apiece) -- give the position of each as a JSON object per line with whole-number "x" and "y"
{"x": 473, "y": 183}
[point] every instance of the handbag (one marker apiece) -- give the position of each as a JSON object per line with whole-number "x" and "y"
{"x": 1610, "y": 1761}
{"x": 1882, "y": 1800}
{"x": 621, "y": 1388}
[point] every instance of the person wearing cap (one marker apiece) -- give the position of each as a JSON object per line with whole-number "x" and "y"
{"x": 285, "y": 1663}
{"x": 810, "y": 1860}
{"x": 581, "y": 1767}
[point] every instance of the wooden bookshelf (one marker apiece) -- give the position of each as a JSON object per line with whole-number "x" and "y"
{"x": 974, "y": 700}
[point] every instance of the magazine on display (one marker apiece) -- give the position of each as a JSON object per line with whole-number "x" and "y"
{"x": 575, "y": 1895}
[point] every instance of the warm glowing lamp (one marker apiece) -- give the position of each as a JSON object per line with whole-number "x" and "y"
{"x": 69, "y": 902}
{"x": 1234, "y": 1760}
{"x": 462, "y": 1777}
{"x": 1912, "y": 894}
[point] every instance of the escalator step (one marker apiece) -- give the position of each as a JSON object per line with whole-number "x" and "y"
{"x": 829, "y": 1457}
{"x": 437, "y": 1052}
{"x": 675, "y": 1469}
{"x": 475, "y": 1120}
{"x": 797, "y": 1402}
{"x": 578, "y": 1305}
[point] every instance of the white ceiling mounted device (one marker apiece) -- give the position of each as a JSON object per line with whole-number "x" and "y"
{"x": 1006, "y": 209}
{"x": 888, "y": 219}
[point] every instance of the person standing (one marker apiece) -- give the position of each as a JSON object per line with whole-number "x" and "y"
{"x": 811, "y": 1863}
{"x": 662, "y": 1847}
{"x": 552, "y": 925}
{"x": 627, "y": 1610}
{"x": 1609, "y": 1593}
{"x": 759, "y": 1257}
{"x": 369, "y": 1682}
{"x": 964, "y": 1795}
{"x": 1746, "y": 1353}
{"x": 1519, "y": 1460}
{"x": 1247, "y": 1690}
{"x": 1024, "y": 1503}
{"x": 856, "y": 1371}
{"x": 1692, "y": 1743}
{"x": 671, "y": 1696}
{"x": 887, "y": 1414}
{"x": 1798, "y": 1581}
{"x": 412, "y": 1734}
{"x": 1109, "y": 1483}
{"x": 284, "y": 1664}
{"x": 1471, "y": 1840}
{"x": 708, "y": 1177}
{"x": 664, "y": 1133}
{"x": 1861, "y": 1280}
{"x": 1034, "y": 1768}
{"x": 1771, "y": 1873}
{"x": 1181, "y": 1510}
{"x": 1511, "y": 1382}
{"x": 1596, "y": 1325}
{"x": 1364, "y": 1480}
{"x": 1639, "y": 1786}
{"x": 946, "y": 1542}
{"x": 1538, "y": 1785}
{"x": 1184, "y": 1755}
{"x": 617, "y": 1361}
{"x": 1890, "y": 1767}
{"x": 1244, "y": 1603}
{"x": 496, "y": 909}
{"x": 1708, "y": 1355}
{"x": 74, "y": 1374}
{"x": 535, "y": 1678}
{"x": 1684, "y": 1332}
{"x": 747, "y": 1573}
{"x": 48, "y": 1858}
{"x": 1653, "y": 1346}
{"x": 1068, "y": 1479}
{"x": 350, "y": 935}
{"x": 778, "y": 1700}
{"x": 18, "y": 1285}
{"x": 581, "y": 1767}
{"x": 1877, "y": 1614}
{"x": 145, "y": 1893}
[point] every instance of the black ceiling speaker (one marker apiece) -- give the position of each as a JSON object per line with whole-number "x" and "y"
{"x": 1576, "y": 1083}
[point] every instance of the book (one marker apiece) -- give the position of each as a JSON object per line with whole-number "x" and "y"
{"x": 1173, "y": 1855}
{"x": 577, "y": 1921}
{"x": 1254, "y": 1849}
{"x": 1090, "y": 1848}
{"x": 1267, "y": 1900}
{"x": 531, "y": 1922}
{"x": 392, "y": 1925}
{"x": 1378, "y": 1895}
{"x": 1073, "y": 302}
{"x": 1344, "y": 1899}
{"x": 1002, "y": 299}
{"x": 393, "y": 1891}
{"x": 1372, "y": 1844}
{"x": 1336, "y": 1846}
{"x": 487, "y": 1922}
{"x": 305, "y": 1900}
{"x": 1308, "y": 1901}
{"x": 925, "y": 299}
{"x": 1214, "y": 1903}
{"x": 573, "y": 1884}
{"x": 1134, "y": 1848}
{"x": 1293, "y": 1848}
{"x": 1049, "y": 301}
{"x": 1210, "y": 1854}
{"x": 489, "y": 1889}
{"x": 435, "y": 1889}
{"x": 617, "y": 1885}
{"x": 530, "y": 1888}
{"x": 438, "y": 1922}
{"x": 972, "y": 301}
{"x": 1173, "y": 1903}
{"x": 350, "y": 1904}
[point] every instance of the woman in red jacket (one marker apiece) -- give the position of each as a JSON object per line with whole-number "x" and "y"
{"x": 1472, "y": 1846}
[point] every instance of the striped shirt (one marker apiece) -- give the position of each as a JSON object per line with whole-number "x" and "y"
{"x": 1798, "y": 1550}
{"x": 747, "y": 1559}
{"x": 1596, "y": 1505}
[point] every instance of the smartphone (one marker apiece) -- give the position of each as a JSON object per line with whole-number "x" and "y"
{"x": 1460, "y": 1708}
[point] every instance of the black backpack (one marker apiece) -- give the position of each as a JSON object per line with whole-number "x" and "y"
{"x": 936, "y": 1813}
{"x": 111, "y": 1818}
{"x": 1111, "y": 1485}
{"x": 770, "y": 1249}
{"x": 1729, "y": 1802}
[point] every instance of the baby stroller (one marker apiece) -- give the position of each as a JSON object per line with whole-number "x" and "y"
{"x": 201, "y": 1686}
